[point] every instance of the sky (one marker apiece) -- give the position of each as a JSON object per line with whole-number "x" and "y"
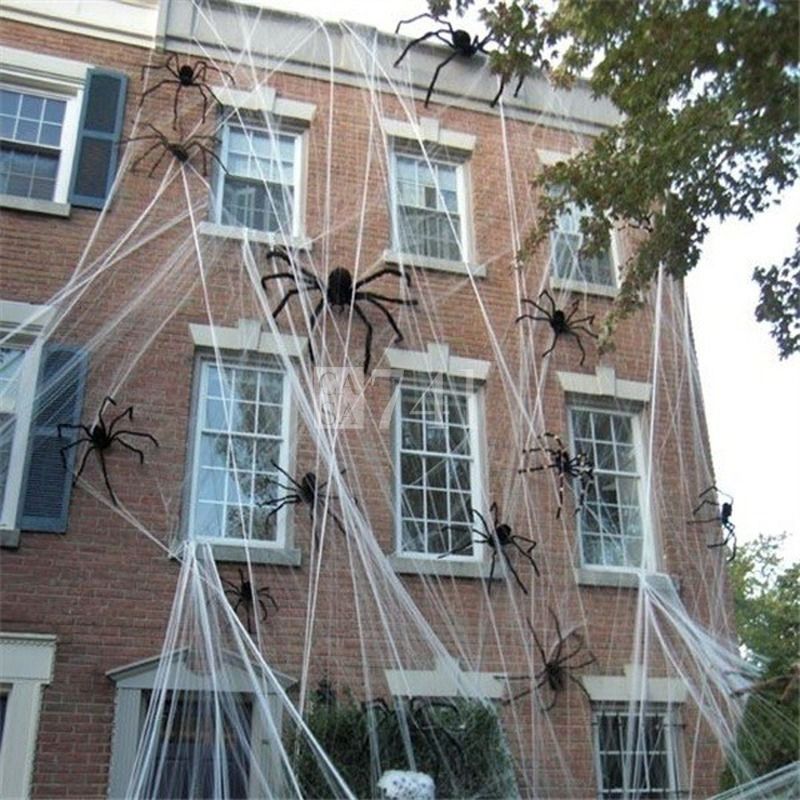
{"x": 752, "y": 398}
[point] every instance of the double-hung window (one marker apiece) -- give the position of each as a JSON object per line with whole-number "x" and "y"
{"x": 429, "y": 205}
{"x": 437, "y": 468}
{"x": 261, "y": 186}
{"x": 611, "y": 522}
{"x": 567, "y": 261}
{"x": 37, "y": 141}
{"x": 636, "y": 751}
{"x": 241, "y": 434}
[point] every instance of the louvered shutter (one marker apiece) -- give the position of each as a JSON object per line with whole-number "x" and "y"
{"x": 59, "y": 399}
{"x": 96, "y": 152}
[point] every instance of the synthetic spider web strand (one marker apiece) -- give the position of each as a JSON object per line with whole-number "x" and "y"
{"x": 363, "y": 637}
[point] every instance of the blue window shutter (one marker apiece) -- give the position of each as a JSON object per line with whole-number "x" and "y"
{"x": 47, "y": 485}
{"x": 96, "y": 150}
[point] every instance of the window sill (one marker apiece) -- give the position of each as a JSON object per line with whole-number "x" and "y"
{"x": 236, "y": 553}
{"x": 435, "y": 264}
{"x": 413, "y": 565}
{"x": 582, "y": 287}
{"x": 9, "y": 538}
{"x": 218, "y": 231}
{"x": 35, "y": 206}
{"x": 621, "y": 579}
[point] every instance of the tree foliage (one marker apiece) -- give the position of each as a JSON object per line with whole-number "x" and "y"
{"x": 767, "y": 609}
{"x": 707, "y": 92}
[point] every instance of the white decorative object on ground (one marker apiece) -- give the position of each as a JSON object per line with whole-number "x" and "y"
{"x": 401, "y": 785}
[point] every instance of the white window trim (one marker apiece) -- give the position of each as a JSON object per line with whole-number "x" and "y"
{"x": 427, "y": 131}
{"x": 26, "y": 667}
{"x": 63, "y": 79}
{"x": 436, "y": 361}
{"x": 582, "y": 389}
{"x": 280, "y": 115}
{"x": 446, "y": 679}
{"x": 133, "y": 681}
{"x": 21, "y": 324}
{"x": 247, "y": 338}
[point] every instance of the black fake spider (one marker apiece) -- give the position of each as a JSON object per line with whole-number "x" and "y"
{"x": 340, "y": 292}
{"x": 425, "y": 719}
{"x": 459, "y": 41}
{"x": 558, "y": 667}
{"x": 307, "y": 490}
{"x": 100, "y": 437}
{"x": 185, "y": 76}
{"x": 245, "y": 596}
{"x": 578, "y": 467}
{"x": 561, "y": 322}
{"x": 181, "y": 149}
{"x": 722, "y": 516}
{"x": 499, "y": 537}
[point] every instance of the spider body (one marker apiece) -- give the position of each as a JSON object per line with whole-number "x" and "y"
{"x": 243, "y": 595}
{"x": 577, "y": 468}
{"x": 339, "y": 292}
{"x": 499, "y": 536}
{"x": 558, "y": 664}
{"x": 457, "y": 39}
{"x": 307, "y": 491}
{"x": 181, "y": 149}
{"x": 722, "y": 515}
{"x": 100, "y": 437}
{"x": 562, "y": 323}
{"x": 185, "y": 76}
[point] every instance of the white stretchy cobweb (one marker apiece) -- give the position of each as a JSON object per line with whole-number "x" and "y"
{"x": 236, "y": 712}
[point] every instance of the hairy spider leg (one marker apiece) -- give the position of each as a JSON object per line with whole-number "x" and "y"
{"x": 436, "y": 75}
{"x": 526, "y": 552}
{"x": 307, "y": 286}
{"x": 424, "y": 15}
{"x": 415, "y": 42}
{"x": 128, "y": 412}
{"x": 380, "y": 273}
{"x": 115, "y": 438}
{"x": 75, "y": 444}
{"x": 503, "y": 81}
{"x": 509, "y": 565}
{"x": 101, "y": 453}
{"x": 156, "y": 86}
{"x": 368, "y": 340}
{"x": 206, "y": 151}
{"x": 143, "y": 156}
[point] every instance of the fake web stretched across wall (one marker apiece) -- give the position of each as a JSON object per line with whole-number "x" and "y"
{"x": 266, "y": 702}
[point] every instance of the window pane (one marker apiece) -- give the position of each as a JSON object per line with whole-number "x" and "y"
{"x": 568, "y": 262}
{"x": 239, "y": 441}
{"x": 610, "y": 521}
{"x": 435, "y": 478}
{"x": 27, "y": 174}
{"x": 428, "y": 208}
{"x": 633, "y": 752}
{"x": 259, "y": 189}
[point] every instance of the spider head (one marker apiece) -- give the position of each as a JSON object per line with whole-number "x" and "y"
{"x": 554, "y": 673}
{"x": 558, "y": 321}
{"x": 462, "y": 42}
{"x": 726, "y": 511}
{"x": 340, "y": 287}
{"x": 99, "y": 435}
{"x": 246, "y": 591}
{"x": 186, "y": 75}
{"x": 179, "y": 150}
{"x": 308, "y": 486}
{"x": 503, "y": 534}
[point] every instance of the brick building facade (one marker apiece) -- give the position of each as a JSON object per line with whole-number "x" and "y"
{"x": 139, "y": 280}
